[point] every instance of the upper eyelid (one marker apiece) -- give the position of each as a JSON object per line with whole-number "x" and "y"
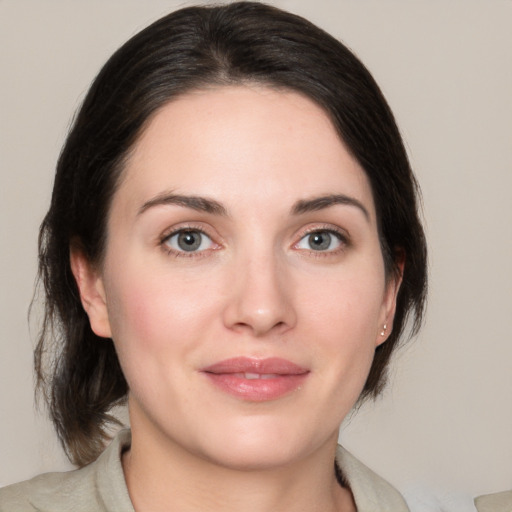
{"x": 175, "y": 232}
{"x": 187, "y": 226}
{"x": 342, "y": 233}
{"x": 212, "y": 233}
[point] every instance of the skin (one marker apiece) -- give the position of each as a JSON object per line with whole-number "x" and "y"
{"x": 257, "y": 287}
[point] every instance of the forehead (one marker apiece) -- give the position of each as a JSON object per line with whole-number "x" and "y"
{"x": 239, "y": 143}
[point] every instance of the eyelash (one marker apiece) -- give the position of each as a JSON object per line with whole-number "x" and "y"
{"x": 184, "y": 254}
{"x": 337, "y": 233}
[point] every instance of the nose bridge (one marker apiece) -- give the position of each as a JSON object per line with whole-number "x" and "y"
{"x": 261, "y": 298}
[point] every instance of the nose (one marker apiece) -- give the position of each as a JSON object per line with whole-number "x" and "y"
{"x": 260, "y": 298}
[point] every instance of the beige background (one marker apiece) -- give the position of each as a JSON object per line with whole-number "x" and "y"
{"x": 444, "y": 426}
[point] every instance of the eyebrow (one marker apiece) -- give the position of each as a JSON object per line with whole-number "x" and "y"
{"x": 203, "y": 204}
{"x": 200, "y": 204}
{"x": 319, "y": 203}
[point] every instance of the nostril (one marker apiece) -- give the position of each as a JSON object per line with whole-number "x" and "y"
{"x": 259, "y": 306}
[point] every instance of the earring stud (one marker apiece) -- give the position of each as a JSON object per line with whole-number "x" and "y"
{"x": 383, "y": 332}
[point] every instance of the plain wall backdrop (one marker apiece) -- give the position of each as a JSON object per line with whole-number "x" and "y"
{"x": 444, "y": 424}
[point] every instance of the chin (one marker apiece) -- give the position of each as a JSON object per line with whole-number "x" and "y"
{"x": 258, "y": 444}
{"x": 253, "y": 456}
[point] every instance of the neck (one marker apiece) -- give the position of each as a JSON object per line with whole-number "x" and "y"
{"x": 162, "y": 476}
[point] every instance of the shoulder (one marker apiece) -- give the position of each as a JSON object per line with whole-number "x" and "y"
{"x": 499, "y": 502}
{"x": 100, "y": 486}
{"x": 45, "y": 491}
{"x": 371, "y": 492}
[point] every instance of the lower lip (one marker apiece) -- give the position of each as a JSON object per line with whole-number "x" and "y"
{"x": 257, "y": 390}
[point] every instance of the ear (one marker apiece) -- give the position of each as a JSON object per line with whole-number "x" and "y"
{"x": 388, "y": 308}
{"x": 92, "y": 292}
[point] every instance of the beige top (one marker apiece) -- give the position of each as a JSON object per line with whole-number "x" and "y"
{"x": 499, "y": 502}
{"x": 101, "y": 487}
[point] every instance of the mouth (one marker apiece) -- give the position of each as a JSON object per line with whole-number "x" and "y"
{"x": 256, "y": 380}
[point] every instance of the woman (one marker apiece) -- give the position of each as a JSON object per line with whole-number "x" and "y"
{"x": 233, "y": 246}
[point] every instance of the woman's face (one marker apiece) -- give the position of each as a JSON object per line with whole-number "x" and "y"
{"x": 243, "y": 282}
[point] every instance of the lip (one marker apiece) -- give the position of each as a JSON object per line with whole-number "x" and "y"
{"x": 256, "y": 380}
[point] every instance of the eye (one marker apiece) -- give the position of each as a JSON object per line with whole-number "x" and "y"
{"x": 188, "y": 240}
{"x": 321, "y": 240}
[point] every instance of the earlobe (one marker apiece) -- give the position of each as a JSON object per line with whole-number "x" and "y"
{"x": 389, "y": 303}
{"x": 92, "y": 292}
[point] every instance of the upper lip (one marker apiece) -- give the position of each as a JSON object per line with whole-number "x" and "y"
{"x": 271, "y": 365}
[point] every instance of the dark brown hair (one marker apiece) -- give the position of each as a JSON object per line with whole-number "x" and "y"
{"x": 78, "y": 373}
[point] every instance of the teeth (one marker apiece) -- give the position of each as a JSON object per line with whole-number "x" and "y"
{"x": 263, "y": 376}
{"x": 255, "y": 376}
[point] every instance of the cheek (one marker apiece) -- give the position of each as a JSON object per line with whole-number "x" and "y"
{"x": 151, "y": 315}
{"x": 156, "y": 328}
{"x": 344, "y": 319}
{"x": 347, "y": 305}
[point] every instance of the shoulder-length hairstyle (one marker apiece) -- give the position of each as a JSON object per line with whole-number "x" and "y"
{"x": 78, "y": 373}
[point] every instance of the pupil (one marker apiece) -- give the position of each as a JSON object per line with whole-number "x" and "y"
{"x": 189, "y": 241}
{"x": 320, "y": 241}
